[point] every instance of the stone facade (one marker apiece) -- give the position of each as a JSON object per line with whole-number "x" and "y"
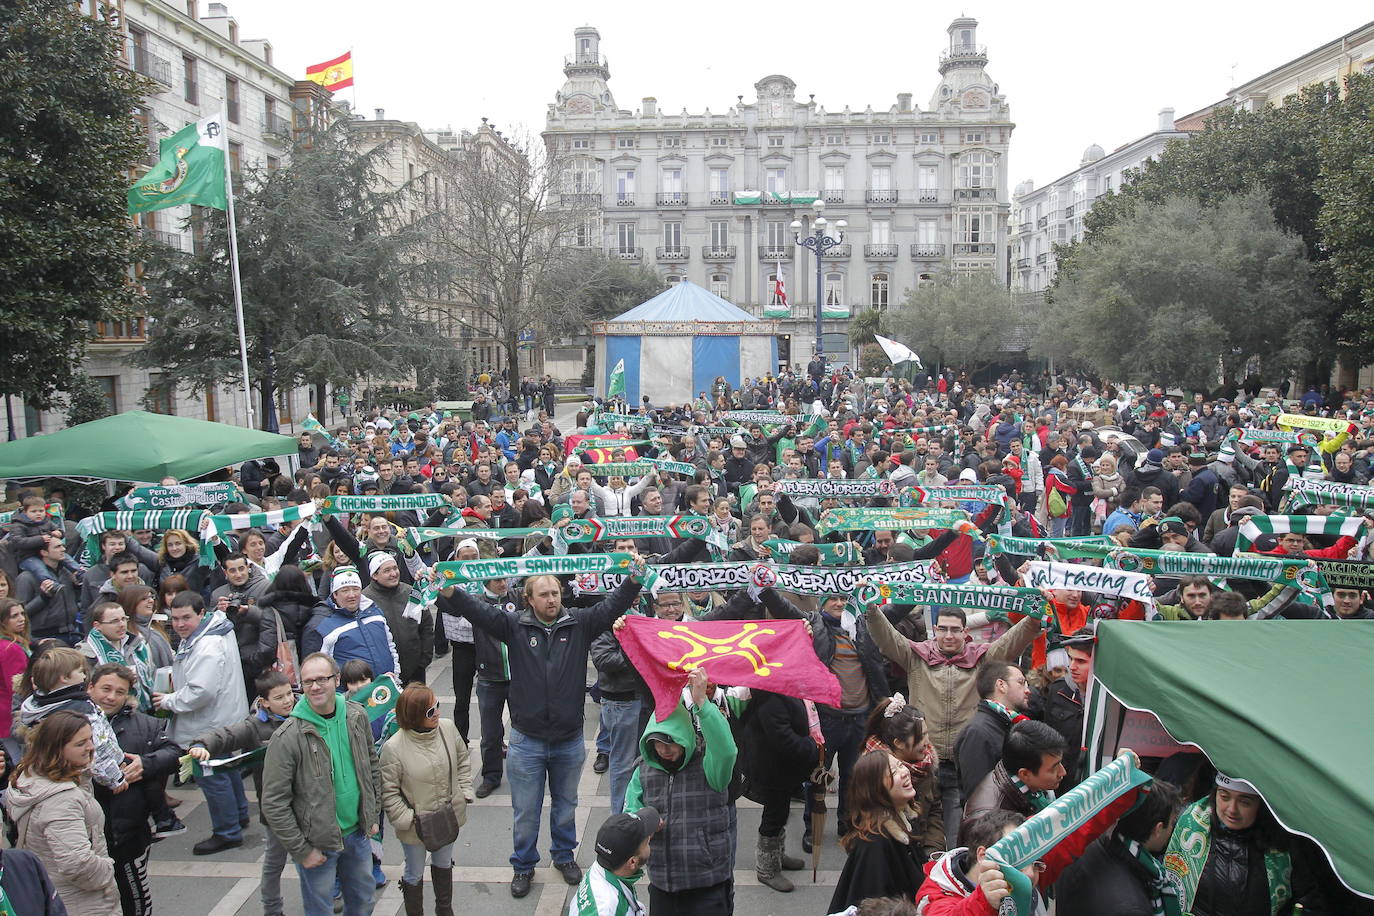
{"x": 921, "y": 189}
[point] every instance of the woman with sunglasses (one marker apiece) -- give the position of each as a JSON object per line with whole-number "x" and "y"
{"x": 424, "y": 769}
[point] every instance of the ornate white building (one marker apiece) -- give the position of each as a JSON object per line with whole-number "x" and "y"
{"x": 710, "y": 197}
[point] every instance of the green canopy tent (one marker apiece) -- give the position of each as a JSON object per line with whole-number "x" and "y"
{"x": 1221, "y": 687}
{"x": 140, "y": 447}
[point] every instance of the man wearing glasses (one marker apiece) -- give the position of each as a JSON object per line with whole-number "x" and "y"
{"x": 321, "y": 790}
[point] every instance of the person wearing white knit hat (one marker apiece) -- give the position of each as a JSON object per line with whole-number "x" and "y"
{"x": 411, "y": 625}
{"x": 350, "y": 625}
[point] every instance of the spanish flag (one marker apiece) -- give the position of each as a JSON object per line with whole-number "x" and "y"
{"x": 333, "y": 74}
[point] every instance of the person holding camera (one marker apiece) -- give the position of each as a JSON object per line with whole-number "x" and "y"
{"x": 255, "y": 627}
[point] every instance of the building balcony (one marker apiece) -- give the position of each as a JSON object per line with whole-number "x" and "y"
{"x": 150, "y": 65}
{"x": 833, "y": 195}
{"x": 928, "y": 195}
{"x": 627, "y": 254}
{"x": 671, "y": 199}
{"x": 960, "y": 54}
{"x": 718, "y": 253}
{"x": 839, "y": 252}
{"x": 128, "y": 331}
{"x": 1042, "y": 222}
{"x": 624, "y": 200}
{"x": 881, "y": 252}
{"x": 1023, "y": 263}
{"x": 580, "y": 201}
{"x": 158, "y": 237}
{"x": 775, "y": 253}
{"x": 975, "y": 193}
{"x": 1068, "y": 211}
{"x": 720, "y": 199}
{"x": 1042, "y": 258}
{"x": 1024, "y": 227}
{"x": 673, "y": 253}
{"x": 882, "y": 195}
{"x": 276, "y": 129}
{"x": 927, "y": 251}
{"x": 982, "y": 249}
{"x": 784, "y": 199}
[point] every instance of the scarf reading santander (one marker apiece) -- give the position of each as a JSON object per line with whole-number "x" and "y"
{"x": 1326, "y": 525}
{"x": 897, "y": 519}
{"x": 998, "y": 601}
{"x": 1049, "y": 827}
{"x": 341, "y": 505}
{"x": 453, "y": 572}
{"x": 1303, "y": 493}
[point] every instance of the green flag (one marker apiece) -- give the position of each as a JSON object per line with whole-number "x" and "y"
{"x": 616, "y": 386}
{"x": 190, "y": 170}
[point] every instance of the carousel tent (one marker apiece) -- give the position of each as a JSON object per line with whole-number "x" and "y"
{"x": 679, "y": 342}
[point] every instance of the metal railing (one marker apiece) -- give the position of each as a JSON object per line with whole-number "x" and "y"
{"x": 1068, "y": 211}
{"x": 882, "y": 195}
{"x": 627, "y": 254}
{"x": 1042, "y": 258}
{"x": 671, "y": 199}
{"x": 624, "y": 200}
{"x": 775, "y": 253}
{"x": 1023, "y": 263}
{"x": 718, "y": 253}
{"x": 963, "y": 52}
{"x": 838, "y": 252}
{"x": 975, "y": 193}
{"x": 882, "y": 251}
{"x": 833, "y": 195}
{"x": 927, "y": 195}
{"x": 170, "y": 239}
{"x": 925, "y": 252}
{"x": 672, "y": 253}
{"x": 150, "y": 65}
{"x": 975, "y": 248}
{"x": 580, "y": 200}
{"x": 720, "y": 198}
{"x": 274, "y": 125}
{"x": 1042, "y": 222}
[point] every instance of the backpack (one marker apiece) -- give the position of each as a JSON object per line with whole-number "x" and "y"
{"x": 1058, "y": 506}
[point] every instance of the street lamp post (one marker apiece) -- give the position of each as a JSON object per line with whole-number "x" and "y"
{"x": 819, "y": 242}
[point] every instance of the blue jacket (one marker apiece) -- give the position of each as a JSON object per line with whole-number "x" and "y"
{"x": 27, "y": 885}
{"x": 345, "y": 636}
{"x": 1122, "y": 516}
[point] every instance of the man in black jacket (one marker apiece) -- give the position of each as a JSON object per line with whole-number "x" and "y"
{"x": 1064, "y": 702}
{"x": 1002, "y": 697}
{"x": 1120, "y": 873}
{"x": 547, "y": 648}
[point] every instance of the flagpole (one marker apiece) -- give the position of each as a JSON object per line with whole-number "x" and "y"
{"x": 238, "y": 287}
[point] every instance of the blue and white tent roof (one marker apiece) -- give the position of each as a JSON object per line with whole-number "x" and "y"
{"x": 685, "y": 301}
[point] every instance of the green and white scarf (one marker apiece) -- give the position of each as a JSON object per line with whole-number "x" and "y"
{"x": 917, "y": 430}
{"x": 311, "y": 425}
{"x": 606, "y": 417}
{"x": 92, "y": 526}
{"x": 998, "y": 601}
{"x": 481, "y": 570}
{"x": 895, "y": 519}
{"x": 214, "y": 527}
{"x": 586, "y": 445}
{"x": 583, "y": 531}
{"x": 841, "y": 554}
{"x": 138, "y": 657}
{"x": 620, "y": 469}
{"x": 836, "y": 488}
{"x": 1303, "y": 492}
{"x": 1254, "y": 526}
{"x": 1038, "y": 799}
{"x": 1061, "y": 547}
{"x": 340, "y": 505}
{"x": 1190, "y": 845}
{"x": 181, "y": 496}
{"x": 1278, "y": 437}
{"x": 672, "y": 467}
{"x": 1298, "y": 572}
{"x": 1163, "y": 894}
{"x": 761, "y": 417}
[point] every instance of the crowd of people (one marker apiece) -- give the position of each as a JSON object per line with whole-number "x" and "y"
{"x": 136, "y": 654}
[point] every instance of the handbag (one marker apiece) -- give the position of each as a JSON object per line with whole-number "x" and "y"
{"x": 285, "y": 661}
{"x": 438, "y": 828}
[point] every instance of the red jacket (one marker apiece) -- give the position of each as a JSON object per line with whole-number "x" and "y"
{"x": 1336, "y": 551}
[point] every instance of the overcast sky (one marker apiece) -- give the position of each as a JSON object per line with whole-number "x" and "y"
{"x": 1074, "y": 73}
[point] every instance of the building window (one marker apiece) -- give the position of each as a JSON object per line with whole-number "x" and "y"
{"x": 625, "y": 236}
{"x": 775, "y": 141}
{"x": 773, "y": 290}
{"x": 672, "y": 235}
{"x": 672, "y": 184}
{"x": 284, "y": 404}
{"x": 720, "y": 183}
{"x": 625, "y": 143}
{"x": 109, "y": 387}
{"x": 877, "y": 292}
{"x": 625, "y": 184}
{"x": 672, "y": 142}
{"x": 973, "y": 136}
{"x": 720, "y": 286}
{"x": 880, "y": 178}
{"x": 976, "y": 170}
{"x": 930, "y": 139}
{"x": 834, "y": 288}
{"x": 1106, "y": 184}
{"x": 720, "y": 141}
{"x": 834, "y": 178}
{"x": 925, "y": 231}
{"x": 882, "y": 137}
{"x": 834, "y": 139}
{"x": 160, "y": 400}
{"x": 584, "y": 234}
{"x": 582, "y": 177}
{"x": 273, "y": 163}
{"x": 928, "y": 178}
{"x": 720, "y": 233}
{"x": 776, "y": 234}
{"x": 976, "y": 227}
{"x": 775, "y": 181}
{"x": 188, "y": 75}
{"x": 33, "y": 420}
{"x": 581, "y": 144}
{"x": 880, "y": 232}
{"x": 672, "y": 280}
{"x": 231, "y": 99}
{"x": 236, "y": 158}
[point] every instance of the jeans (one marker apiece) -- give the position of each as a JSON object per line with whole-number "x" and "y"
{"x": 353, "y": 865}
{"x": 844, "y": 738}
{"x": 492, "y": 697}
{"x": 530, "y": 763}
{"x": 227, "y": 803}
{"x": 949, "y": 799}
{"x": 415, "y": 860}
{"x": 1057, "y": 526}
{"x": 40, "y": 571}
{"x": 464, "y": 669}
{"x": 273, "y": 861}
{"x": 620, "y": 722}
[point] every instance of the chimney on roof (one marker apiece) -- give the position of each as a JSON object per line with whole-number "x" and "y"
{"x": 218, "y": 11}
{"x": 1166, "y": 119}
{"x": 379, "y": 113}
{"x": 650, "y": 106}
{"x": 904, "y": 101}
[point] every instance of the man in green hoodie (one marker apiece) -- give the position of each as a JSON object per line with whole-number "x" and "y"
{"x": 321, "y": 788}
{"x": 688, "y": 761}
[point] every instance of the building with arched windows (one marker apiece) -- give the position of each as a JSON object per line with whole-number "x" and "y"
{"x": 710, "y": 197}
